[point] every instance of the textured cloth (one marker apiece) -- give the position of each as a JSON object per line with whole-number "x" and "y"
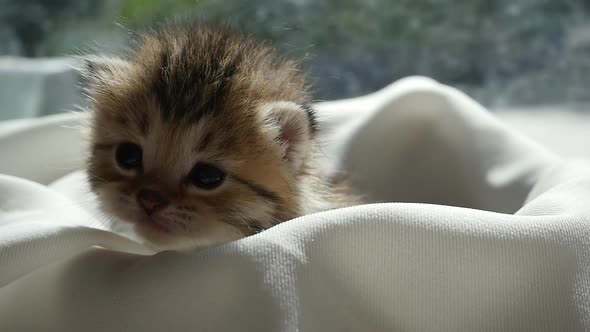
{"x": 484, "y": 231}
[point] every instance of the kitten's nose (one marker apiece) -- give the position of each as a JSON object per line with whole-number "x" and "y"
{"x": 151, "y": 201}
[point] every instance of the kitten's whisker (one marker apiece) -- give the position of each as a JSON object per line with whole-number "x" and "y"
{"x": 97, "y": 177}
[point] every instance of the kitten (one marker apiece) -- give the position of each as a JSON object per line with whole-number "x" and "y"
{"x": 203, "y": 136}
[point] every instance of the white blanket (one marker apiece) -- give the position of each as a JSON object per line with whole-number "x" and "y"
{"x": 503, "y": 245}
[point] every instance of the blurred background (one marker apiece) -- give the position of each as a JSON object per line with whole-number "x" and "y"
{"x": 518, "y": 56}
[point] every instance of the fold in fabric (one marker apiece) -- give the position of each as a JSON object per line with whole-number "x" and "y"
{"x": 478, "y": 229}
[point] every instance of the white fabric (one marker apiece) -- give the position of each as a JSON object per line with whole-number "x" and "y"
{"x": 505, "y": 248}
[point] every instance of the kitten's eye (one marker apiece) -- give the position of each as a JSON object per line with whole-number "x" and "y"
{"x": 206, "y": 176}
{"x": 128, "y": 155}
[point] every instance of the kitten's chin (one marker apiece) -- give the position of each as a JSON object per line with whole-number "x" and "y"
{"x": 162, "y": 233}
{"x": 161, "y": 239}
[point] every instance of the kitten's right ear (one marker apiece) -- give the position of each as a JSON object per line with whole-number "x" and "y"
{"x": 292, "y": 127}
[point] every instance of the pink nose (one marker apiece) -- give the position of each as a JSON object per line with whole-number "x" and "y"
{"x": 151, "y": 201}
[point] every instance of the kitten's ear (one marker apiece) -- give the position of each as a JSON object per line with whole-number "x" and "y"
{"x": 292, "y": 127}
{"x": 94, "y": 68}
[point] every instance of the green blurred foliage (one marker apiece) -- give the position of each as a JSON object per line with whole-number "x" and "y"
{"x": 460, "y": 42}
{"x": 357, "y": 46}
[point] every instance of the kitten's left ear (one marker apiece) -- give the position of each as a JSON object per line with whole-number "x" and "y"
{"x": 292, "y": 127}
{"x": 94, "y": 68}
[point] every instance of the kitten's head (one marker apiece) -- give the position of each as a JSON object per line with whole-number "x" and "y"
{"x": 198, "y": 138}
